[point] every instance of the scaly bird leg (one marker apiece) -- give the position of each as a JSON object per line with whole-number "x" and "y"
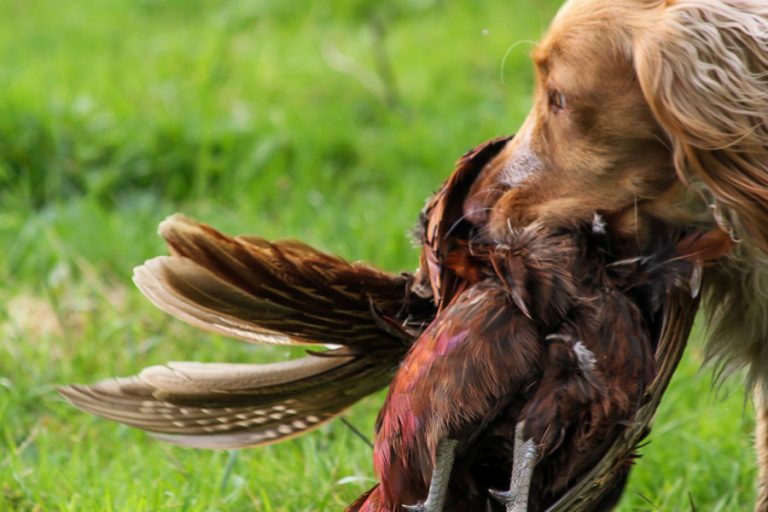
{"x": 441, "y": 474}
{"x": 516, "y": 498}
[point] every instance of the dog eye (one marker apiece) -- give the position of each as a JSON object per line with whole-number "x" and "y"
{"x": 557, "y": 101}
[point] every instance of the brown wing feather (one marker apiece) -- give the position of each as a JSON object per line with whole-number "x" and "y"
{"x": 218, "y": 405}
{"x": 443, "y": 215}
{"x": 259, "y": 291}
{"x": 192, "y": 293}
{"x": 281, "y": 292}
{"x": 679, "y": 314}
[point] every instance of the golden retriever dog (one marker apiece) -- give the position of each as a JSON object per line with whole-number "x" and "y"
{"x": 655, "y": 109}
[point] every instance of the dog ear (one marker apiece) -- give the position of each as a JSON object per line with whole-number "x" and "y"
{"x": 703, "y": 68}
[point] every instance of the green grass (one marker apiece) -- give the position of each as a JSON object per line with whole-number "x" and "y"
{"x": 275, "y": 118}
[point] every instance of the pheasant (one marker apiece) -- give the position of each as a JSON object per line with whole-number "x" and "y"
{"x": 479, "y": 340}
{"x": 541, "y": 353}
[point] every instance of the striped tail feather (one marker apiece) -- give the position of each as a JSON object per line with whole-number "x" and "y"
{"x": 278, "y": 292}
{"x": 218, "y": 405}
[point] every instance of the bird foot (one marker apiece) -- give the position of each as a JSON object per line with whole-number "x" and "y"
{"x": 516, "y": 498}
{"x": 438, "y": 488}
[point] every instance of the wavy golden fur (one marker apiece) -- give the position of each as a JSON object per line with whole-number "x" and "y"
{"x": 655, "y": 110}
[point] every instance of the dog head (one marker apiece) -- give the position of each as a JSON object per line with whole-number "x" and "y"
{"x": 642, "y": 109}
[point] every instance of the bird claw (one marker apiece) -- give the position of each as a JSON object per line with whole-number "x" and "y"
{"x": 510, "y": 500}
{"x": 503, "y": 497}
{"x": 419, "y": 507}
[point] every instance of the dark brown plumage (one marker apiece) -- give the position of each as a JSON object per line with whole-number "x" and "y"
{"x": 493, "y": 301}
{"x": 552, "y": 331}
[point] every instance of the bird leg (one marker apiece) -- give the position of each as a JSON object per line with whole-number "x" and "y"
{"x": 441, "y": 474}
{"x": 516, "y": 498}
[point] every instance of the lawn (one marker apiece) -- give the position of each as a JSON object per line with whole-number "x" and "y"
{"x": 327, "y": 121}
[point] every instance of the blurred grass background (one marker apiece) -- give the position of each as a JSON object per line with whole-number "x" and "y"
{"x": 325, "y": 121}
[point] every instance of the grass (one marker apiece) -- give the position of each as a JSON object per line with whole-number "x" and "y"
{"x": 329, "y": 122}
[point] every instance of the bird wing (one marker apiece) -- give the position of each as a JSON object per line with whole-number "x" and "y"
{"x": 679, "y": 314}
{"x": 219, "y": 405}
{"x": 442, "y": 218}
{"x": 258, "y": 291}
{"x": 276, "y": 292}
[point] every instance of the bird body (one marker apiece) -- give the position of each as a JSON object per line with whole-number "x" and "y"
{"x": 572, "y": 364}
